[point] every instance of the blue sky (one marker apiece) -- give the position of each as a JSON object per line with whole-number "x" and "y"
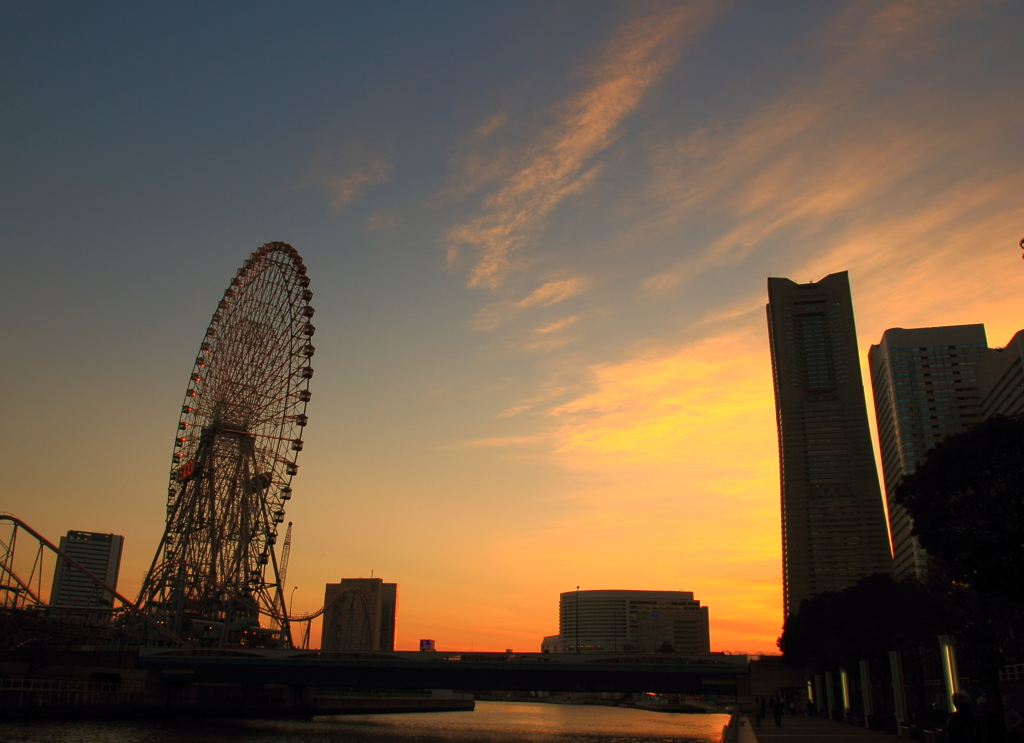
{"x": 538, "y": 236}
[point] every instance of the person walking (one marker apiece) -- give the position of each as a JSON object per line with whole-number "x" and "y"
{"x": 792, "y": 707}
{"x": 777, "y": 709}
{"x": 994, "y": 728}
{"x": 1013, "y": 722}
{"x": 965, "y": 725}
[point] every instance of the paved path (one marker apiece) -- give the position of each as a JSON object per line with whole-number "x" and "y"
{"x": 803, "y": 729}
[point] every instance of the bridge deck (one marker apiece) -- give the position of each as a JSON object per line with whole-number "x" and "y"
{"x": 523, "y": 672}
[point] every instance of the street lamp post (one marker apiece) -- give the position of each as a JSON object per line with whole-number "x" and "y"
{"x": 291, "y": 598}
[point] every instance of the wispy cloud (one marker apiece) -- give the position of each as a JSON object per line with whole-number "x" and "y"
{"x": 502, "y": 442}
{"x": 381, "y": 221}
{"x": 560, "y": 324}
{"x": 693, "y": 407}
{"x": 473, "y": 171}
{"x": 552, "y": 292}
{"x": 547, "y": 343}
{"x": 827, "y": 176}
{"x": 344, "y": 184}
{"x": 677, "y": 444}
{"x": 831, "y": 156}
{"x": 549, "y": 336}
{"x": 563, "y": 159}
{"x": 546, "y": 396}
{"x": 492, "y": 125}
{"x": 867, "y": 28}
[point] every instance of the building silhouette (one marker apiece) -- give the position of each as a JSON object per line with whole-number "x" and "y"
{"x": 100, "y": 554}
{"x": 360, "y": 614}
{"x": 1001, "y": 377}
{"x": 630, "y": 622}
{"x": 388, "y": 615}
{"x": 930, "y": 383}
{"x": 833, "y": 522}
{"x": 926, "y": 387}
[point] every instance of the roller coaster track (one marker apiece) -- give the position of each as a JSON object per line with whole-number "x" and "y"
{"x": 12, "y": 582}
{"x": 7, "y": 569}
{"x": 21, "y": 588}
{"x": 308, "y": 618}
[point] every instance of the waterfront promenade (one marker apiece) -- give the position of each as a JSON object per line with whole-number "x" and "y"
{"x": 803, "y": 729}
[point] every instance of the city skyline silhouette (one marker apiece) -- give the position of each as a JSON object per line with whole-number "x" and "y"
{"x": 538, "y": 237}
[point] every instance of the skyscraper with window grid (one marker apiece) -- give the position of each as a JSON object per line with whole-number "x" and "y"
{"x": 833, "y": 521}
{"x": 100, "y": 554}
{"x": 930, "y": 383}
{"x": 1001, "y": 378}
{"x": 925, "y": 384}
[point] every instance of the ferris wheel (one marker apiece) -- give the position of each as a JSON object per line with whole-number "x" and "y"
{"x": 215, "y": 576}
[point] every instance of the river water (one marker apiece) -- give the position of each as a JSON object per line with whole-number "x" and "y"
{"x": 491, "y": 722}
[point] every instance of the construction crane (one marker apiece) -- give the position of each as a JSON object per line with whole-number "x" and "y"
{"x": 286, "y": 550}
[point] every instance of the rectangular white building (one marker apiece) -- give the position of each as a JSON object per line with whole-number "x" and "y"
{"x": 100, "y": 554}
{"x": 623, "y": 621}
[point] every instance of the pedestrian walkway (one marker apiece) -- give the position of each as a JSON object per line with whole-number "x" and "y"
{"x": 803, "y": 729}
{"x": 744, "y": 733}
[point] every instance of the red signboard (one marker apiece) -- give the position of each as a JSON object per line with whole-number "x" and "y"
{"x": 185, "y": 471}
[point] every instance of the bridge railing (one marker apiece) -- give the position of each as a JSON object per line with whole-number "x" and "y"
{"x": 23, "y": 684}
{"x": 729, "y": 730}
{"x": 737, "y": 721}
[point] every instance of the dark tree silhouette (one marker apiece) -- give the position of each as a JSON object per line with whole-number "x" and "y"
{"x": 862, "y": 622}
{"x": 967, "y": 503}
{"x": 25, "y": 638}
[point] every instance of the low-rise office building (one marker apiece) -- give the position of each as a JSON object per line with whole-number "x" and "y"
{"x": 623, "y": 621}
{"x": 360, "y": 614}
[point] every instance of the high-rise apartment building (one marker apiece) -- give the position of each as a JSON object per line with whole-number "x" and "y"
{"x": 833, "y": 521}
{"x": 100, "y": 554}
{"x": 360, "y": 614}
{"x": 630, "y": 622}
{"x": 930, "y": 383}
{"x": 1002, "y": 378}
{"x": 926, "y": 387}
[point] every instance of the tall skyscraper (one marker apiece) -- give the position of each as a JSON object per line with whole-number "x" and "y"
{"x": 926, "y": 387}
{"x": 360, "y": 614}
{"x": 100, "y": 554}
{"x": 833, "y": 521}
{"x": 930, "y": 383}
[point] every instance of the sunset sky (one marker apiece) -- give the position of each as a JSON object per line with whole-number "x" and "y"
{"x": 538, "y": 236}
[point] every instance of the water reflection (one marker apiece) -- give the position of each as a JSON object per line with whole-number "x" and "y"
{"x": 492, "y": 722}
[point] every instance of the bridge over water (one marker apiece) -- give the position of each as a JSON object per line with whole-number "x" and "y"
{"x": 711, "y": 674}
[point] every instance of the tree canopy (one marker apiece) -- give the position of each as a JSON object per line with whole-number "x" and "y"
{"x": 967, "y": 503}
{"x": 863, "y": 621}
